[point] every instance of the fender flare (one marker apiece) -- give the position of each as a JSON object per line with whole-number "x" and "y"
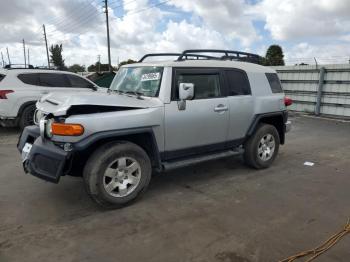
{"x": 85, "y": 143}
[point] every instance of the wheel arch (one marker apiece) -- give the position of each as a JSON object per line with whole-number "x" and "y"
{"x": 23, "y": 106}
{"x": 277, "y": 119}
{"x": 144, "y": 138}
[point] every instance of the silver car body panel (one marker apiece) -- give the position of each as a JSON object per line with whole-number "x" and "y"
{"x": 198, "y": 125}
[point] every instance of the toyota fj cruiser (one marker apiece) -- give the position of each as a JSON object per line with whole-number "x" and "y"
{"x": 158, "y": 116}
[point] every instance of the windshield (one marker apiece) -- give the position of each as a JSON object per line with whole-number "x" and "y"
{"x": 138, "y": 80}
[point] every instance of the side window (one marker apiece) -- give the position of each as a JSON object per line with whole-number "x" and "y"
{"x": 205, "y": 85}
{"x": 29, "y": 79}
{"x": 54, "y": 80}
{"x": 275, "y": 83}
{"x": 76, "y": 81}
{"x": 2, "y": 77}
{"x": 238, "y": 83}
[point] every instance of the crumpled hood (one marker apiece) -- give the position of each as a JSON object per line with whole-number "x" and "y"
{"x": 58, "y": 104}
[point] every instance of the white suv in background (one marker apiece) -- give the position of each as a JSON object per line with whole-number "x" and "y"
{"x": 21, "y": 88}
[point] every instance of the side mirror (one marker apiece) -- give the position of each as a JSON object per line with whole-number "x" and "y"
{"x": 186, "y": 92}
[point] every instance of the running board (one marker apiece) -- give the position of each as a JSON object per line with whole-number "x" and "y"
{"x": 199, "y": 159}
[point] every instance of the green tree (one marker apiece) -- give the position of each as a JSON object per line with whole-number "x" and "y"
{"x": 98, "y": 67}
{"x": 274, "y": 56}
{"x": 129, "y": 61}
{"x": 76, "y": 68}
{"x": 56, "y": 56}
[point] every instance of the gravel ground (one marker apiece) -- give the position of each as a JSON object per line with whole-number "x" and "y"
{"x": 216, "y": 211}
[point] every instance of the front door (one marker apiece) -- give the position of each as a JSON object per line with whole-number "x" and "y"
{"x": 203, "y": 125}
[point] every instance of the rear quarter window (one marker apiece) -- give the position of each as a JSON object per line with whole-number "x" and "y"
{"x": 274, "y": 82}
{"x": 238, "y": 82}
{"x": 29, "y": 79}
{"x": 76, "y": 81}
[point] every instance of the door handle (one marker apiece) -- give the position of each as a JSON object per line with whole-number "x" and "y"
{"x": 44, "y": 92}
{"x": 220, "y": 108}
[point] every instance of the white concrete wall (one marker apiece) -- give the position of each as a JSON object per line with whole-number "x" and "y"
{"x": 301, "y": 84}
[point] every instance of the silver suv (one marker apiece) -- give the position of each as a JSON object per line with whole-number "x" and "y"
{"x": 158, "y": 116}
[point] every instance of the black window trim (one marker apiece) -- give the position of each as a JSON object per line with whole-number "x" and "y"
{"x": 200, "y": 71}
{"x": 227, "y": 84}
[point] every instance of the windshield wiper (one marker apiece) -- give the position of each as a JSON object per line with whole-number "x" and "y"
{"x": 115, "y": 91}
{"x": 137, "y": 94}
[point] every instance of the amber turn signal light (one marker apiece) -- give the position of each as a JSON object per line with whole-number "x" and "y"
{"x": 62, "y": 129}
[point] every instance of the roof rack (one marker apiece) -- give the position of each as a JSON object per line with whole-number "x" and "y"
{"x": 192, "y": 54}
{"x": 228, "y": 55}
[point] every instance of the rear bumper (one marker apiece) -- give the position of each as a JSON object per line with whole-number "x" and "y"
{"x": 45, "y": 160}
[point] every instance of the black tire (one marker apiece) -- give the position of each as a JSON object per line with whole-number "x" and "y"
{"x": 27, "y": 116}
{"x": 101, "y": 159}
{"x": 252, "y": 157}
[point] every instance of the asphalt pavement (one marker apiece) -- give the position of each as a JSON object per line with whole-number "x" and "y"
{"x": 213, "y": 212}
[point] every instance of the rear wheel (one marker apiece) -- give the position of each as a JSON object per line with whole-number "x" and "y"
{"x": 262, "y": 148}
{"x": 117, "y": 173}
{"x": 27, "y": 116}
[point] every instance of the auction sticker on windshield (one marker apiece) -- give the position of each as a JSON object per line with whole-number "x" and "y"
{"x": 150, "y": 77}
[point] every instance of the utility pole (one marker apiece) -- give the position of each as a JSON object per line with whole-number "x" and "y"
{"x": 24, "y": 53}
{"x": 99, "y": 63}
{"x": 108, "y": 42}
{"x": 2, "y": 59}
{"x": 8, "y": 55}
{"x": 28, "y": 57}
{"x": 47, "y": 49}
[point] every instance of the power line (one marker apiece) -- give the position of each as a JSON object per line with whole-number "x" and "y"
{"x": 74, "y": 24}
{"x": 143, "y": 9}
{"x": 59, "y": 19}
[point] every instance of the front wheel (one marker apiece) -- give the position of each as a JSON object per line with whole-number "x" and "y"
{"x": 261, "y": 149}
{"x": 117, "y": 173}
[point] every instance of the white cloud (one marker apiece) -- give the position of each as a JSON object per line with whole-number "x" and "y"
{"x": 323, "y": 53}
{"x": 227, "y": 17}
{"x": 298, "y": 19}
{"x": 308, "y": 28}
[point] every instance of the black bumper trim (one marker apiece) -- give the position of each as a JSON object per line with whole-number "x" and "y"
{"x": 45, "y": 160}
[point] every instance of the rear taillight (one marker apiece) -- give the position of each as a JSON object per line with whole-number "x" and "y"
{"x": 288, "y": 101}
{"x": 3, "y": 93}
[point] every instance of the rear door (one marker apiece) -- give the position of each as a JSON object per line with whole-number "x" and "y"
{"x": 241, "y": 104}
{"x": 203, "y": 125}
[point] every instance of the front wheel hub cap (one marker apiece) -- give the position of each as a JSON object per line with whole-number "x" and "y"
{"x": 122, "y": 177}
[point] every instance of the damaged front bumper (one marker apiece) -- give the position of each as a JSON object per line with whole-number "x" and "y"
{"x": 41, "y": 157}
